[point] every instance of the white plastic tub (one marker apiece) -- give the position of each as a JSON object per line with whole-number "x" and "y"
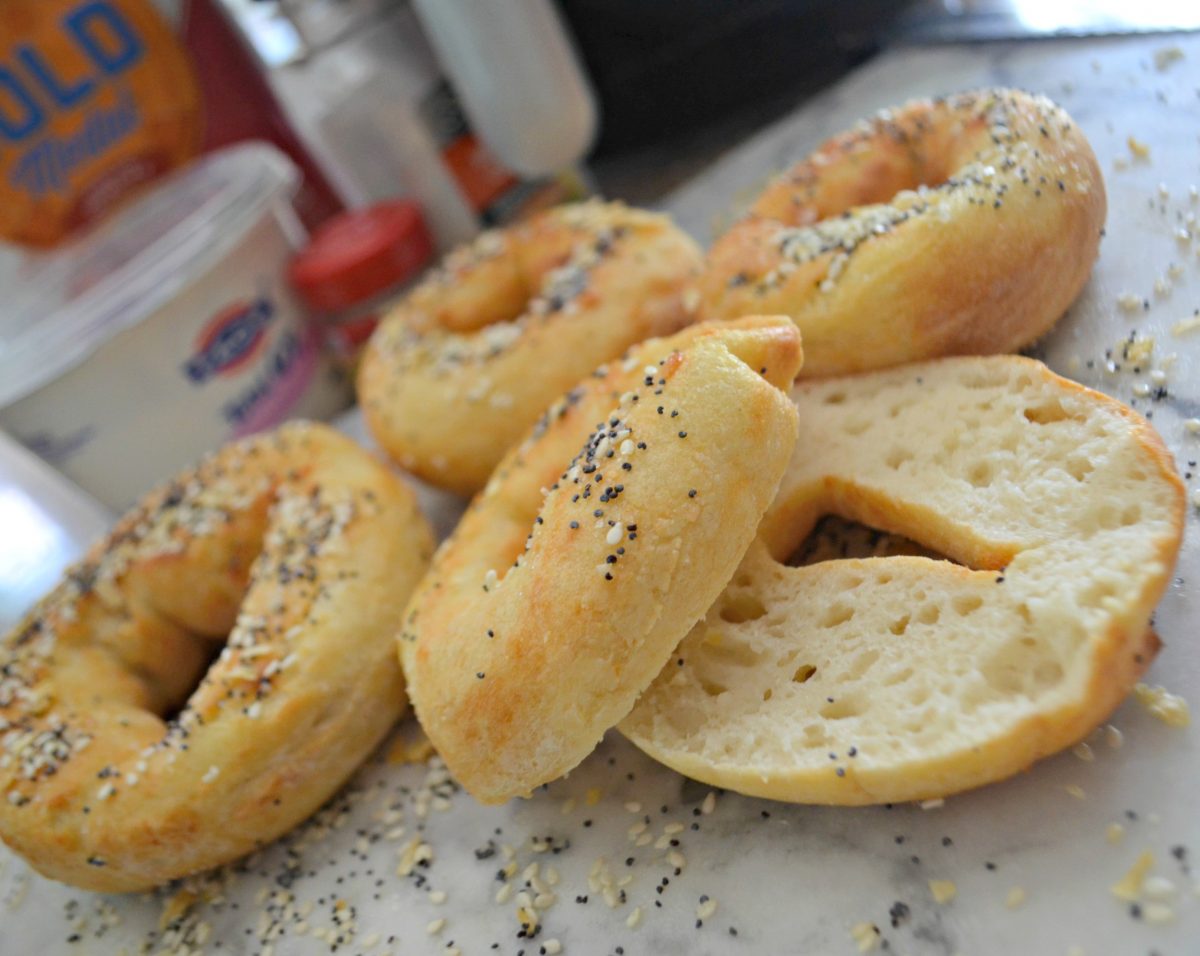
{"x": 167, "y": 332}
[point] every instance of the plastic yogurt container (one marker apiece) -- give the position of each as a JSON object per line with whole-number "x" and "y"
{"x": 168, "y": 331}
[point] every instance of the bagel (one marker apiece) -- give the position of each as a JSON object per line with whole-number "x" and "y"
{"x": 569, "y": 581}
{"x": 904, "y": 678}
{"x": 459, "y": 371}
{"x": 954, "y": 226}
{"x": 115, "y": 775}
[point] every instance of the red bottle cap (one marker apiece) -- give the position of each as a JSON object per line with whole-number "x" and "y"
{"x": 358, "y": 254}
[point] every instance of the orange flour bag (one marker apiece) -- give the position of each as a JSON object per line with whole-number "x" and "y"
{"x": 97, "y": 97}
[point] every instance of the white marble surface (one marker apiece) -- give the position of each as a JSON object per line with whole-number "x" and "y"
{"x": 796, "y": 879}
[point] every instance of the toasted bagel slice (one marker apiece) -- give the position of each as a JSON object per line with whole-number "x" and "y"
{"x": 901, "y": 678}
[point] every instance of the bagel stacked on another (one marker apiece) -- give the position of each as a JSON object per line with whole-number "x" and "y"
{"x": 900, "y": 678}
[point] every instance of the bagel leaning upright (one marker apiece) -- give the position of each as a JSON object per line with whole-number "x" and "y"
{"x": 957, "y": 226}
{"x": 568, "y": 583}
{"x": 296, "y": 550}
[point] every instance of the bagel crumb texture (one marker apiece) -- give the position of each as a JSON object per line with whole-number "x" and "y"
{"x": 907, "y": 677}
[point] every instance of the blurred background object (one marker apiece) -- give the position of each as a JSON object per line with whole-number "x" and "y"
{"x": 132, "y": 350}
{"x": 521, "y": 84}
{"x": 358, "y": 265}
{"x": 396, "y": 130}
{"x": 955, "y": 21}
{"x": 48, "y": 523}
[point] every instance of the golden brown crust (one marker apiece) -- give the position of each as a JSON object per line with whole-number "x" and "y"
{"x": 567, "y": 583}
{"x": 958, "y": 226}
{"x": 298, "y": 546}
{"x": 924, "y": 678}
{"x": 458, "y": 372}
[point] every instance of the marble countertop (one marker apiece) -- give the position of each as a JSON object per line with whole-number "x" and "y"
{"x": 686, "y": 872}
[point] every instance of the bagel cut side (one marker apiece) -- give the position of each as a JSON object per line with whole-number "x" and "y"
{"x": 964, "y": 225}
{"x": 569, "y": 581}
{"x": 127, "y": 759}
{"x": 904, "y": 678}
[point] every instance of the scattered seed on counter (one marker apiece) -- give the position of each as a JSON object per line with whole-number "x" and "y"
{"x": 1129, "y": 887}
{"x": 866, "y": 936}
{"x": 942, "y": 891}
{"x": 1170, "y": 708}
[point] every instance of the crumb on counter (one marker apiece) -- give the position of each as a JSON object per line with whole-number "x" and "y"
{"x": 1137, "y": 148}
{"x": 943, "y": 891}
{"x": 1170, "y": 708}
{"x": 1129, "y": 887}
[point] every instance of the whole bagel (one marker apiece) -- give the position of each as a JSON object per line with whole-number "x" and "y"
{"x": 964, "y": 225}
{"x": 296, "y": 551}
{"x": 568, "y": 582}
{"x": 904, "y": 677}
{"x": 457, "y": 373}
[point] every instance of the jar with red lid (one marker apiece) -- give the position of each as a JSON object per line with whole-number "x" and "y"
{"x": 357, "y": 265}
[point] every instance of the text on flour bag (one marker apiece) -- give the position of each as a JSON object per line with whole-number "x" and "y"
{"x": 100, "y": 97}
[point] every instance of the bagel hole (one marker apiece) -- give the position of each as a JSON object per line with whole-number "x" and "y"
{"x": 834, "y": 538}
{"x": 172, "y": 708}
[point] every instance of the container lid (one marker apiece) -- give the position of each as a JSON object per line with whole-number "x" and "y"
{"x": 358, "y": 254}
{"x": 76, "y": 298}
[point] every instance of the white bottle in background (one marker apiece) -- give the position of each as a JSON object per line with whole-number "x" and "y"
{"x": 518, "y": 78}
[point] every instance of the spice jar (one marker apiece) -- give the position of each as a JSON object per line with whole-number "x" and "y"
{"x": 356, "y": 266}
